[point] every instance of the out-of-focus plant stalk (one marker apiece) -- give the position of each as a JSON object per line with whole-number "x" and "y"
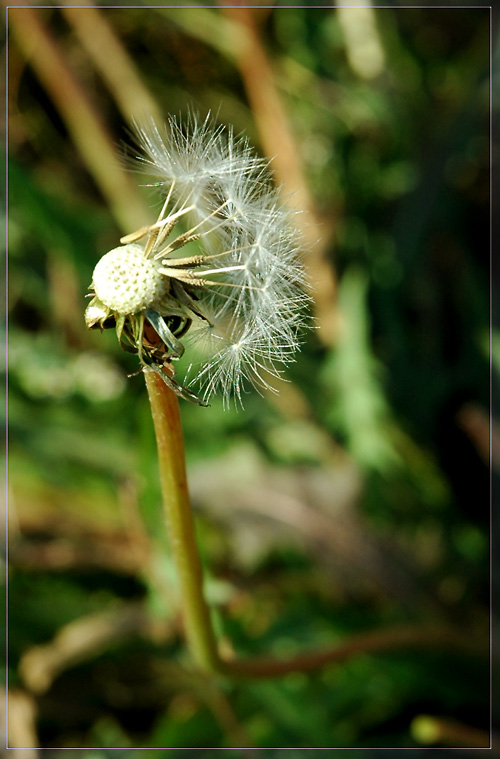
{"x": 436, "y": 731}
{"x": 88, "y": 133}
{"x": 278, "y": 140}
{"x": 112, "y": 60}
{"x": 391, "y": 639}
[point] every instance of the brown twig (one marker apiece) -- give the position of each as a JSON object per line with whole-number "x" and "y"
{"x": 373, "y": 642}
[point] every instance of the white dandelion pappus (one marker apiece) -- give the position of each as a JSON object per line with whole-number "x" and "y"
{"x": 240, "y": 301}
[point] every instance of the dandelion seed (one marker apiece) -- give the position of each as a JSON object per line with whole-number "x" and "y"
{"x": 240, "y": 301}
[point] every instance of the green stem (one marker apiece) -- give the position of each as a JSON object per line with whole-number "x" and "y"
{"x": 167, "y": 423}
{"x": 198, "y": 624}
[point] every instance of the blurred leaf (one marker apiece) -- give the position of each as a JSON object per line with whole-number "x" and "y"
{"x": 360, "y": 406}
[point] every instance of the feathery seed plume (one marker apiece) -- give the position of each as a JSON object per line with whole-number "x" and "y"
{"x": 240, "y": 298}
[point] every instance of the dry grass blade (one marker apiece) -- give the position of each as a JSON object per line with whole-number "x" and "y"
{"x": 111, "y": 59}
{"x": 87, "y": 131}
{"x": 79, "y": 641}
{"x": 278, "y": 141}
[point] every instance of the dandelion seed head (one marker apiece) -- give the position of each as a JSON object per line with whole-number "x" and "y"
{"x": 239, "y": 304}
{"x": 127, "y": 282}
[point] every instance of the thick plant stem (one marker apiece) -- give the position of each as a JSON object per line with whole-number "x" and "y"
{"x": 167, "y": 424}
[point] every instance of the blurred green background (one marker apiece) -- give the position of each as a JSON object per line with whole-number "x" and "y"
{"x": 355, "y": 501}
